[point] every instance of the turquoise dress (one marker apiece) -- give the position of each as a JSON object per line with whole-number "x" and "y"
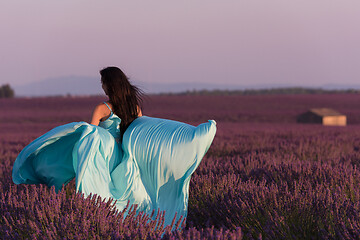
{"x": 151, "y": 166}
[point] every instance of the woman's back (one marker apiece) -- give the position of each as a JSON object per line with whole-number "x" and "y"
{"x": 111, "y": 124}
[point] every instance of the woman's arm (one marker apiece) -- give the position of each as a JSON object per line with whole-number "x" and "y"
{"x": 101, "y": 111}
{"x": 139, "y": 111}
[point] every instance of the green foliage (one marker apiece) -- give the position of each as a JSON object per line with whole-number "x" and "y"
{"x": 6, "y": 91}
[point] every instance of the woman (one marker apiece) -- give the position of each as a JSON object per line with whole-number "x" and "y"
{"x": 124, "y": 98}
{"x": 121, "y": 154}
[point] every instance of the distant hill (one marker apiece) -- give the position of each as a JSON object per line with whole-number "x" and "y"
{"x": 82, "y": 85}
{"x": 73, "y": 85}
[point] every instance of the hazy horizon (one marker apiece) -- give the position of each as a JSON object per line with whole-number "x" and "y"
{"x": 303, "y": 43}
{"x": 85, "y": 86}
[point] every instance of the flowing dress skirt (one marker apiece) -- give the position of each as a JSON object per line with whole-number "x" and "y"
{"x": 151, "y": 167}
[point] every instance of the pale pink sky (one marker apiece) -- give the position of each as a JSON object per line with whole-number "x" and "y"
{"x": 297, "y": 42}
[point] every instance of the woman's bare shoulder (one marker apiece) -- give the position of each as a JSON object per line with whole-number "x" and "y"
{"x": 104, "y": 107}
{"x": 100, "y": 105}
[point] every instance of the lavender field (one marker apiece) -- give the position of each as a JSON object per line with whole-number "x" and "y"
{"x": 264, "y": 177}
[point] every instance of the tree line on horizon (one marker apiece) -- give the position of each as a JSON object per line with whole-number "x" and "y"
{"x": 6, "y": 91}
{"x": 269, "y": 91}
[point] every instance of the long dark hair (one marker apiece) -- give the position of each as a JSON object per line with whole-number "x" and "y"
{"x": 125, "y": 98}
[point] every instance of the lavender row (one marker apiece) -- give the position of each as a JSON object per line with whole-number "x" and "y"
{"x": 39, "y": 213}
{"x": 264, "y": 177}
{"x": 299, "y": 200}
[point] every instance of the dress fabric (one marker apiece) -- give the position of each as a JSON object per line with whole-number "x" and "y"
{"x": 151, "y": 167}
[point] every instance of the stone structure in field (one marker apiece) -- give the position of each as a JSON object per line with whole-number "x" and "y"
{"x": 324, "y": 116}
